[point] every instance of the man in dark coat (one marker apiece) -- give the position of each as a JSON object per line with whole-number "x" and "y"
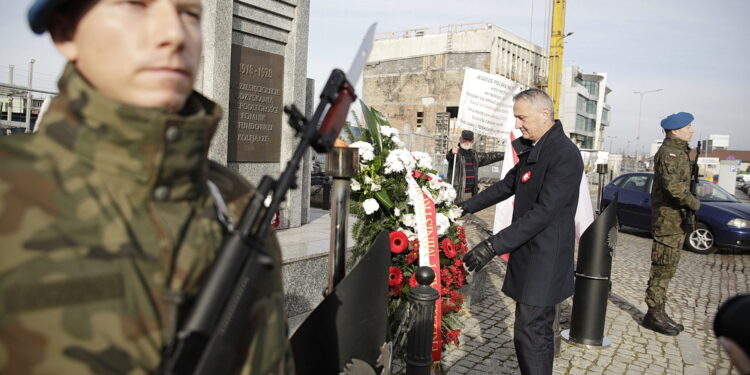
{"x": 541, "y": 238}
{"x": 465, "y": 178}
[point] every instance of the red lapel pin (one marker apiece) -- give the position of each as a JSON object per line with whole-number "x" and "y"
{"x": 526, "y": 177}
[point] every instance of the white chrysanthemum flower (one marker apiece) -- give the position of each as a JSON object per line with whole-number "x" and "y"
{"x": 442, "y": 223}
{"x": 446, "y": 194}
{"x": 375, "y": 187}
{"x": 423, "y": 159}
{"x": 355, "y": 185}
{"x": 398, "y": 142}
{"x": 366, "y": 150}
{"x": 409, "y": 234}
{"x": 408, "y": 220}
{"x": 368, "y": 180}
{"x": 454, "y": 213}
{"x": 434, "y": 182}
{"x": 399, "y": 161}
{"x": 397, "y": 212}
{"x": 370, "y": 205}
{"x": 388, "y": 131}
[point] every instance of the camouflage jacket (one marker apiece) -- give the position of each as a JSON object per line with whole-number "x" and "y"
{"x": 671, "y": 189}
{"x": 105, "y": 214}
{"x": 480, "y": 159}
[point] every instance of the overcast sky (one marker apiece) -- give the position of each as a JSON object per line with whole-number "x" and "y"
{"x": 695, "y": 50}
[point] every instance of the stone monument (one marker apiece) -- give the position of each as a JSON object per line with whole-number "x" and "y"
{"x": 254, "y": 63}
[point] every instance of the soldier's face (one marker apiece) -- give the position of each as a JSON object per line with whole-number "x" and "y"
{"x": 532, "y": 122}
{"x": 685, "y": 133}
{"x": 141, "y": 52}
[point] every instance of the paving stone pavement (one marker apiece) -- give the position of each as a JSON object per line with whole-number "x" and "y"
{"x": 702, "y": 282}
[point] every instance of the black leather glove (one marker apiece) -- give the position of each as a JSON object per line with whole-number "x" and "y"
{"x": 479, "y": 256}
{"x": 688, "y": 220}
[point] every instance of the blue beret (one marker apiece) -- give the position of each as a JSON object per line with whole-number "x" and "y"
{"x": 40, "y": 11}
{"x": 677, "y": 120}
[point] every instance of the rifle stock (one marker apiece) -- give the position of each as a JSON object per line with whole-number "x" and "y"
{"x": 217, "y": 333}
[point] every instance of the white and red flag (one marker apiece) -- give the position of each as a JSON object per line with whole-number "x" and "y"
{"x": 504, "y": 210}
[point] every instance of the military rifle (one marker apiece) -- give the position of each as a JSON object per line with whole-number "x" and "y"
{"x": 694, "y": 170}
{"x": 216, "y": 335}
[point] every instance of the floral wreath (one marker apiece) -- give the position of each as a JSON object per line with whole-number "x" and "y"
{"x": 381, "y": 201}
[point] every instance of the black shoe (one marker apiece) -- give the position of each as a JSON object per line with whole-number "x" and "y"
{"x": 672, "y": 323}
{"x": 657, "y": 323}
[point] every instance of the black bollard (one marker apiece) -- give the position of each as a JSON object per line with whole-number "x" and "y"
{"x": 419, "y": 339}
{"x": 593, "y": 283}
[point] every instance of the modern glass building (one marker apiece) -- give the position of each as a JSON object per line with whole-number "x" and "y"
{"x": 584, "y": 111}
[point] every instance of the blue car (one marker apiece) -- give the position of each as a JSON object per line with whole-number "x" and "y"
{"x": 723, "y": 221}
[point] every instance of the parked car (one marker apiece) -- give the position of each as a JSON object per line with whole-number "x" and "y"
{"x": 723, "y": 221}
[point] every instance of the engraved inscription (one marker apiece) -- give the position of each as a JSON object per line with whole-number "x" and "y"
{"x": 255, "y": 105}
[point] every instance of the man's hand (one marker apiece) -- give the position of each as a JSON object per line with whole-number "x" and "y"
{"x": 688, "y": 221}
{"x": 479, "y": 256}
{"x": 454, "y": 150}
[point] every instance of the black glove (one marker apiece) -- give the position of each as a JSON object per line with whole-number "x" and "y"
{"x": 688, "y": 220}
{"x": 479, "y": 256}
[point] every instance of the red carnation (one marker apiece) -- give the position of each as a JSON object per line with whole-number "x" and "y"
{"x": 452, "y": 336}
{"x": 448, "y": 249}
{"x": 395, "y": 277}
{"x": 399, "y": 242}
{"x": 415, "y": 245}
{"x": 458, "y": 263}
{"x": 413, "y": 280}
{"x": 396, "y": 291}
{"x": 416, "y": 174}
{"x": 411, "y": 257}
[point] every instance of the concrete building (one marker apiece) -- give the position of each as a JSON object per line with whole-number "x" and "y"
{"x": 13, "y": 108}
{"x": 655, "y": 147}
{"x": 584, "y": 111}
{"x": 716, "y": 142}
{"x": 415, "y": 77}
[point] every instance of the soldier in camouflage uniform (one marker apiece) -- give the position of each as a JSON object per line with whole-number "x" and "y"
{"x": 112, "y": 213}
{"x": 673, "y": 213}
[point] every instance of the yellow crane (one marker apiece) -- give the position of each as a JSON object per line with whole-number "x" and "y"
{"x": 555, "y": 58}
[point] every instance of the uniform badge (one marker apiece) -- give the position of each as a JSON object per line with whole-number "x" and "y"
{"x": 526, "y": 177}
{"x": 671, "y": 155}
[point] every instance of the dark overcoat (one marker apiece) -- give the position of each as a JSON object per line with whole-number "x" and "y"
{"x": 541, "y": 238}
{"x": 479, "y": 159}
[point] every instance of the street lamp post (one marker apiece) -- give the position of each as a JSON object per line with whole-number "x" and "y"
{"x": 640, "y": 107}
{"x": 611, "y": 138}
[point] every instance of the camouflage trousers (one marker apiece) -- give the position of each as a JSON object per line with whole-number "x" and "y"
{"x": 665, "y": 255}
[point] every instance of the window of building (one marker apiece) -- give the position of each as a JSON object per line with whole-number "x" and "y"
{"x": 420, "y": 119}
{"x": 453, "y": 111}
{"x": 591, "y": 107}
{"x": 590, "y": 124}
{"x": 605, "y": 114}
{"x": 592, "y": 86}
{"x": 580, "y": 123}
{"x": 581, "y": 105}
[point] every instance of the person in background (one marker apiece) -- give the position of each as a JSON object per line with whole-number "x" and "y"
{"x": 465, "y": 176}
